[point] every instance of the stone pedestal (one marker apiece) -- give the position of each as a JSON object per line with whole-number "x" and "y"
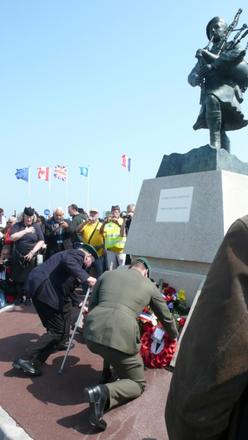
{"x": 181, "y": 219}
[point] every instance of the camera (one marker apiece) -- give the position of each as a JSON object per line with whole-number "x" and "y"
{"x": 126, "y": 216}
{"x": 4, "y": 264}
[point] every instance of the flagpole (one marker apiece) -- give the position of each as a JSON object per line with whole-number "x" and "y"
{"x": 66, "y": 190}
{"x": 131, "y": 186}
{"x": 29, "y": 185}
{"x": 49, "y": 189}
{"x": 88, "y": 191}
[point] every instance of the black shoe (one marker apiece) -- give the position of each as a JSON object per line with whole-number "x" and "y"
{"x": 64, "y": 346}
{"x": 27, "y": 367}
{"x": 28, "y": 302}
{"x": 98, "y": 398}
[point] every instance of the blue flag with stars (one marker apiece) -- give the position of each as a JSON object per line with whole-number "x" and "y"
{"x": 22, "y": 173}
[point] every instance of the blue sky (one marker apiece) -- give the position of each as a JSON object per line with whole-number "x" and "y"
{"x": 85, "y": 81}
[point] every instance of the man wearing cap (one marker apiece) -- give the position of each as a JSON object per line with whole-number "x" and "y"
{"x": 89, "y": 231}
{"x": 50, "y": 285}
{"x": 111, "y": 330}
{"x": 114, "y": 233}
{"x": 27, "y": 238}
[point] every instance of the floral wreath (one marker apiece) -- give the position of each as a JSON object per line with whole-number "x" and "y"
{"x": 157, "y": 348}
{"x": 156, "y": 353}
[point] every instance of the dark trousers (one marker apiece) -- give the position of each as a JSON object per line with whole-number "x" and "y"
{"x": 57, "y": 324}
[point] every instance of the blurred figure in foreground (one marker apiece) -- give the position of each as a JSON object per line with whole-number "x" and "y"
{"x": 208, "y": 396}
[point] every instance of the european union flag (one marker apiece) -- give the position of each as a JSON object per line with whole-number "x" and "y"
{"x": 84, "y": 171}
{"x": 22, "y": 173}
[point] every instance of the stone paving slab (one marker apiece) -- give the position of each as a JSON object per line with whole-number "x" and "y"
{"x": 52, "y": 406}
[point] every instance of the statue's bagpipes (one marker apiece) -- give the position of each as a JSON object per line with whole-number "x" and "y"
{"x": 229, "y": 30}
{"x": 232, "y": 65}
{"x": 77, "y": 324}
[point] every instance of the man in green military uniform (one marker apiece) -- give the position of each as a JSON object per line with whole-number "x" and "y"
{"x": 111, "y": 330}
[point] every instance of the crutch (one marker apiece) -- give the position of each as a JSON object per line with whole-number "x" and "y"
{"x": 77, "y": 324}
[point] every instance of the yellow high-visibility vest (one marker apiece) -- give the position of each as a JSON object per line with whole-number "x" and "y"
{"x": 112, "y": 237}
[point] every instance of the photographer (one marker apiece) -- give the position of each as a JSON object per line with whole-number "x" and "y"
{"x": 57, "y": 235}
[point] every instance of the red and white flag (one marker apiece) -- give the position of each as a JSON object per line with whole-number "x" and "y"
{"x": 60, "y": 172}
{"x": 43, "y": 173}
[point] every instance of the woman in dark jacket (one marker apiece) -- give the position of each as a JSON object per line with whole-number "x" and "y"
{"x": 28, "y": 239}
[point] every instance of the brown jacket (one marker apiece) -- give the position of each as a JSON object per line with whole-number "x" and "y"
{"x": 211, "y": 372}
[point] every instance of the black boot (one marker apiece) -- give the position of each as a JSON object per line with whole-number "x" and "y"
{"x": 99, "y": 401}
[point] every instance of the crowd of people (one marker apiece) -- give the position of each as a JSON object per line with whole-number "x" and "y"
{"x": 29, "y": 239}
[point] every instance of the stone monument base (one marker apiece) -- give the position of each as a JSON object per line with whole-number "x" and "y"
{"x": 181, "y": 219}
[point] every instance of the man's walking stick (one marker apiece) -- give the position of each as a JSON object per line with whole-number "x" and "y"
{"x": 77, "y": 324}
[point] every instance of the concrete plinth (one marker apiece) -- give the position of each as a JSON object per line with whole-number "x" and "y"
{"x": 180, "y": 221}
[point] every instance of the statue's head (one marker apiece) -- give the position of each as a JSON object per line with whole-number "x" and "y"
{"x": 216, "y": 29}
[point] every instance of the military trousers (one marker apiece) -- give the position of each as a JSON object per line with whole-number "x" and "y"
{"x": 129, "y": 369}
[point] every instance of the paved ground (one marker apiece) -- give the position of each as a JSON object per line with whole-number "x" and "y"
{"x": 52, "y": 407}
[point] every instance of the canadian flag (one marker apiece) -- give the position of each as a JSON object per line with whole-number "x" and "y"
{"x": 43, "y": 173}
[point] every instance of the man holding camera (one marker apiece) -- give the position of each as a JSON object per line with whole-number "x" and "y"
{"x": 57, "y": 233}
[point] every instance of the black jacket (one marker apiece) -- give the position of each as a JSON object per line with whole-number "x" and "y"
{"x": 53, "y": 274}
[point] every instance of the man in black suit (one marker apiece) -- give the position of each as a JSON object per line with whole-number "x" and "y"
{"x": 50, "y": 286}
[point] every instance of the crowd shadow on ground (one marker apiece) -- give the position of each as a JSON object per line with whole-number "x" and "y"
{"x": 66, "y": 389}
{"x": 14, "y": 346}
{"x": 60, "y": 389}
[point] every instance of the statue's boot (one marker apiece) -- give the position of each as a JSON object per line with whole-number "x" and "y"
{"x": 225, "y": 141}
{"x": 214, "y": 124}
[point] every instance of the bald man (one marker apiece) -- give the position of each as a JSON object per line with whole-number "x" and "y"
{"x": 57, "y": 235}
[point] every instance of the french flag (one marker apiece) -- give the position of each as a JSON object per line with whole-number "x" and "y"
{"x": 126, "y": 162}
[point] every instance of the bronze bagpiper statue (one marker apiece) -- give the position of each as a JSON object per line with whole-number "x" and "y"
{"x": 222, "y": 73}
